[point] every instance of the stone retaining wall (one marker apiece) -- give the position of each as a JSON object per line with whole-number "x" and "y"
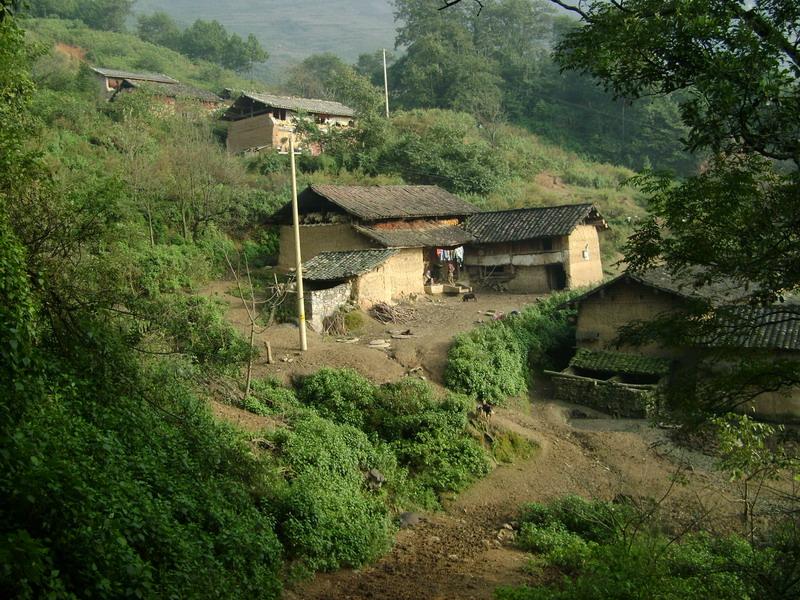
{"x": 614, "y": 398}
{"x": 320, "y": 304}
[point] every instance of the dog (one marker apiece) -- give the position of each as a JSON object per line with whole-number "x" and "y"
{"x": 469, "y": 296}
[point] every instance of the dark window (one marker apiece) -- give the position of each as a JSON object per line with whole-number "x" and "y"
{"x": 547, "y": 244}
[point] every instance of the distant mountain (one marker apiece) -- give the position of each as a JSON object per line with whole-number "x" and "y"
{"x": 290, "y": 30}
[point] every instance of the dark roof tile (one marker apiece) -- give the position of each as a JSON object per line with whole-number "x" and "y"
{"x": 327, "y": 266}
{"x": 619, "y": 362}
{"x": 118, "y": 74}
{"x": 529, "y": 223}
{"x": 310, "y": 105}
{"x": 439, "y": 237}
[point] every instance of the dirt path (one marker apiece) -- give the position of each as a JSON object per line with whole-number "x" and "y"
{"x": 462, "y": 552}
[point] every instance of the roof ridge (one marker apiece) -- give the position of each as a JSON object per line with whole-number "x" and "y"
{"x": 507, "y": 210}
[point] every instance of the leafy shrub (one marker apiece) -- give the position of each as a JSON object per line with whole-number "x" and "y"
{"x": 328, "y": 517}
{"x": 429, "y": 435}
{"x": 354, "y": 320}
{"x": 585, "y": 540}
{"x": 492, "y": 362}
{"x": 341, "y": 395}
{"x": 196, "y": 327}
{"x": 263, "y": 249}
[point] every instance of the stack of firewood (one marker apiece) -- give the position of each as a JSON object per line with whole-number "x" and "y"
{"x": 391, "y": 314}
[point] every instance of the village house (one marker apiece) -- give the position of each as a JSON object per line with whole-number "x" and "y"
{"x": 417, "y": 228}
{"x": 169, "y": 94}
{"x": 603, "y": 366}
{"x": 169, "y": 91}
{"x": 536, "y": 250}
{"x": 265, "y": 121}
{"x": 111, "y": 80}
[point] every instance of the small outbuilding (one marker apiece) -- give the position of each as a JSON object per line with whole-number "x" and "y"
{"x": 111, "y": 80}
{"x": 536, "y": 250}
{"x": 361, "y": 277}
{"x": 770, "y": 333}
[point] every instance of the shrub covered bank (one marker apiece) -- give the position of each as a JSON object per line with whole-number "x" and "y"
{"x": 352, "y": 453}
{"x": 605, "y": 550}
{"x": 494, "y": 362}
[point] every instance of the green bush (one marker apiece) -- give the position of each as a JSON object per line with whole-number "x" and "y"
{"x": 507, "y": 446}
{"x": 428, "y": 434}
{"x": 341, "y": 395}
{"x": 263, "y": 249}
{"x": 328, "y": 516}
{"x": 493, "y": 362}
{"x": 588, "y": 541}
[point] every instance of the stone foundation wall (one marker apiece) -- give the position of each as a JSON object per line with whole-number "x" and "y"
{"x": 320, "y": 304}
{"x": 616, "y": 399}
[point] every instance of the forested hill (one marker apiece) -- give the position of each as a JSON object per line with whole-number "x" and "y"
{"x": 293, "y": 30}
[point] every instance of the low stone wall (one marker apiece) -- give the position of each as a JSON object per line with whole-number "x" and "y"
{"x": 611, "y": 397}
{"x": 324, "y": 303}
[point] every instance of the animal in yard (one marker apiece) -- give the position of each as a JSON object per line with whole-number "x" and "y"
{"x": 469, "y": 296}
{"x": 484, "y": 410}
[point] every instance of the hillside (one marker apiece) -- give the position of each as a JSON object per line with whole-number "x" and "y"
{"x": 128, "y": 52}
{"x": 292, "y": 31}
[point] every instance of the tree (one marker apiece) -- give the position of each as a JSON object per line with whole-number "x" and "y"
{"x": 108, "y": 15}
{"x": 160, "y": 29}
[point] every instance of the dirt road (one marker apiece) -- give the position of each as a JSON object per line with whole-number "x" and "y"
{"x": 463, "y": 552}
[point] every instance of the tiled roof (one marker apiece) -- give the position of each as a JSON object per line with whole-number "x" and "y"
{"x": 117, "y": 74}
{"x": 176, "y": 90}
{"x": 774, "y": 327}
{"x": 440, "y": 237}
{"x": 619, "y": 362}
{"x": 529, "y": 223}
{"x": 684, "y": 285}
{"x": 327, "y": 266}
{"x": 311, "y": 105}
{"x": 375, "y": 202}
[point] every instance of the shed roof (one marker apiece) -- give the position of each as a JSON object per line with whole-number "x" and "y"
{"x": 327, "y": 266}
{"x": 439, "y": 237}
{"x": 118, "y": 74}
{"x": 175, "y": 90}
{"x": 311, "y": 105}
{"x": 529, "y": 223}
{"x": 619, "y": 362}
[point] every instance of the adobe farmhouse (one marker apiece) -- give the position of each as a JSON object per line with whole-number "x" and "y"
{"x": 627, "y": 380}
{"x": 377, "y": 241}
{"x": 265, "y": 121}
{"x": 536, "y": 250}
{"x": 167, "y": 90}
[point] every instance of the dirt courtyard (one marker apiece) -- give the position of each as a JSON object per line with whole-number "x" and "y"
{"x": 436, "y": 320}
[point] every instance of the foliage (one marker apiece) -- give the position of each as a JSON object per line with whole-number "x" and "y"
{"x": 98, "y": 14}
{"x": 129, "y": 52}
{"x": 428, "y": 434}
{"x": 496, "y": 64}
{"x": 493, "y": 362}
{"x": 607, "y": 550}
{"x": 508, "y": 446}
{"x": 341, "y": 395}
{"x": 327, "y": 515}
{"x": 735, "y": 222}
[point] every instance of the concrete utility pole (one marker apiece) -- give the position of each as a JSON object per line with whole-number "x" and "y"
{"x": 301, "y": 307}
{"x": 385, "y": 83}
